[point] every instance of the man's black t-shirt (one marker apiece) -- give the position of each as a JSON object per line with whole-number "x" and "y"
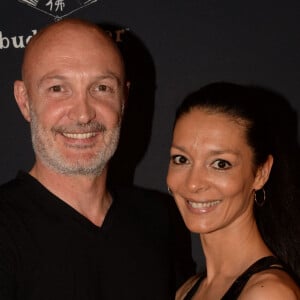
{"x": 50, "y": 251}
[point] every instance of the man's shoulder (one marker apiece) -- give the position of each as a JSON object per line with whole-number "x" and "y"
{"x": 142, "y": 197}
{"x": 16, "y": 193}
{"x": 12, "y": 187}
{"x": 139, "y": 191}
{"x": 148, "y": 205}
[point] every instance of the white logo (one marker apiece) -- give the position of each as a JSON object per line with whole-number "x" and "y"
{"x": 58, "y": 8}
{"x": 20, "y": 41}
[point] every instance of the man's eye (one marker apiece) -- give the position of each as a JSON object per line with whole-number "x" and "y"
{"x": 102, "y": 88}
{"x": 221, "y": 164}
{"x": 179, "y": 159}
{"x": 56, "y": 88}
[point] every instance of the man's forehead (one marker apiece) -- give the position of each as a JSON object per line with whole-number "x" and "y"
{"x": 68, "y": 34}
{"x": 73, "y": 39}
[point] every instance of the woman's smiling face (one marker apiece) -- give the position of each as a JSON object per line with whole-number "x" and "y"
{"x": 211, "y": 172}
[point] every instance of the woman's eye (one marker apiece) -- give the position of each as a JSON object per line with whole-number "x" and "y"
{"x": 179, "y": 159}
{"x": 221, "y": 164}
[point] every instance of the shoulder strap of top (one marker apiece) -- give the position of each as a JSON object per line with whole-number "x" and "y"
{"x": 265, "y": 263}
{"x": 194, "y": 288}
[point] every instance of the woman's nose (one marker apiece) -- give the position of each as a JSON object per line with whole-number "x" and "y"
{"x": 197, "y": 180}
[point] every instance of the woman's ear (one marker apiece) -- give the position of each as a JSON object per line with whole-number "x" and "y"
{"x": 263, "y": 173}
{"x": 21, "y": 97}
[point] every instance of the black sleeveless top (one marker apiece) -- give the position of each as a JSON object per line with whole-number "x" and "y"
{"x": 265, "y": 263}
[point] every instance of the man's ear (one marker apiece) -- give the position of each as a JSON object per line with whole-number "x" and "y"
{"x": 21, "y": 97}
{"x": 263, "y": 173}
{"x": 127, "y": 88}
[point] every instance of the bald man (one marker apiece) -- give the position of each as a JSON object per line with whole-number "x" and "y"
{"x": 63, "y": 233}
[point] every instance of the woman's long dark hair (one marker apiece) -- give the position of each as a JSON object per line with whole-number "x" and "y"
{"x": 271, "y": 128}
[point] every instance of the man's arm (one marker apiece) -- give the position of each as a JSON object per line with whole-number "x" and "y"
{"x": 7, "y": 267}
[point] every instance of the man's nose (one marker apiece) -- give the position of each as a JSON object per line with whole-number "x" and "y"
{"x": 82, "y": 110}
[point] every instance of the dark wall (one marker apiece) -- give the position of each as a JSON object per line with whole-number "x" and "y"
{"x": 171, "y": 48}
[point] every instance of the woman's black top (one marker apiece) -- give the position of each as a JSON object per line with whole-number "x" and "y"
{"x": 265, "y": 263}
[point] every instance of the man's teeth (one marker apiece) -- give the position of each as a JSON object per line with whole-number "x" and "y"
{"x": 79, "y": 135}
{"x": 203, "y": 204}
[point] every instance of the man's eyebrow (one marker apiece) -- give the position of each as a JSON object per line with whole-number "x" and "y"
{"x": 50, "y": 77}
{"x": 110, "y": 75}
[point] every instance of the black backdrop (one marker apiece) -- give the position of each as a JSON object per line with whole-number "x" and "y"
{"x": 171, "y": 48}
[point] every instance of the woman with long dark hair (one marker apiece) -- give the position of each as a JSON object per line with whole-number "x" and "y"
{"x": 232, "y": 180}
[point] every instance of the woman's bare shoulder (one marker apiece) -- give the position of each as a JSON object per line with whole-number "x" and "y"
{"x": 271, "y": 284}
{"x": 184, "y": 289}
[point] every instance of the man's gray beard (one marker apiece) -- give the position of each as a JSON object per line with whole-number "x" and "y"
{"x": 45, "y": 150}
